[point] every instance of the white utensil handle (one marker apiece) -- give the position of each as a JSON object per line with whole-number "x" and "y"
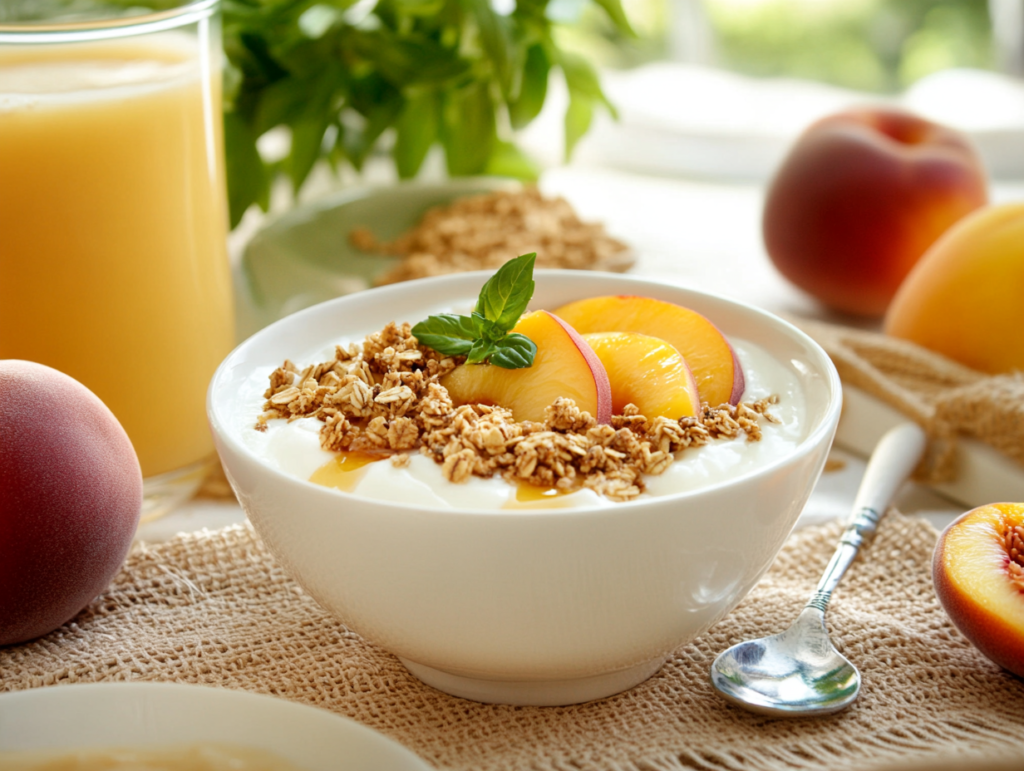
{"x": 894, "y": 458}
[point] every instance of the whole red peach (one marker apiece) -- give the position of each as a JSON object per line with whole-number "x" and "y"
{"x": 978, "y": 569}
{"x": 860, "y": 197}
{"x": 70, "y": 498}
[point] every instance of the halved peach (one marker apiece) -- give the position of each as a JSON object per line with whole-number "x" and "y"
{"x": 706, "y": 350}
{"x": 978, "y": 570}
{"x": 647, "y": 372}
{"x": 565, "y": 366}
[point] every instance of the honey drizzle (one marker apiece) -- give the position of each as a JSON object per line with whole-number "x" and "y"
{"x": 344, "y": 471}
{"x": 347, "y": 468}
{"x": 530, "y": 496}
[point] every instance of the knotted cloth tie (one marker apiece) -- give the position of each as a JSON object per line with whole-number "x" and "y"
{"x": 943, "y": 397}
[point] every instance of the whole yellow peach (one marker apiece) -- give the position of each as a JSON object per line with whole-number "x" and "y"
{"x": 965, "y": 297}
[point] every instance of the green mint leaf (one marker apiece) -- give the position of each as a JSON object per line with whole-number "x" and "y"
{"x": 449, "y": 346}
{"x": 484, "y": 335}
{"x": 513, "y": 351}
{"x": 447, "y": 333}
{"x": 503, "y": 299}
{"x": 448, "y": 325}
{"x": 487, "y": 330}
{"x": 479, "y": 352}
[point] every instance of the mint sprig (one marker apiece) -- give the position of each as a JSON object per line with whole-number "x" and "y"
{"x": 503, "y": 299}
{"x": 447, "y": 333}
{"x": 486, "y": 336}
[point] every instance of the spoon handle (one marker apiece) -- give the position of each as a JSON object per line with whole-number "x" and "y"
{"x": 894, "y": 458}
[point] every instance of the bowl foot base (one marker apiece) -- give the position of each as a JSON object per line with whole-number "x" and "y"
{"x": 534, "y": 693}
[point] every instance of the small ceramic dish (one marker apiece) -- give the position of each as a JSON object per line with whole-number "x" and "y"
{"x": 540, "y": 607}
{"x": 149, "y": 716}
{"x": 304, "y": 257}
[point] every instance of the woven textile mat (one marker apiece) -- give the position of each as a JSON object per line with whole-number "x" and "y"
{"x": 946, "y": 398}
{"x": 214, "y": 608}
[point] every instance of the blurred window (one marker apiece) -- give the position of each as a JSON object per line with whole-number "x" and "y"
{"x": 869, "y": 45}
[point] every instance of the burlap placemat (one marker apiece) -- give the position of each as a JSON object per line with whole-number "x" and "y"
{"x": 215, "y": 608}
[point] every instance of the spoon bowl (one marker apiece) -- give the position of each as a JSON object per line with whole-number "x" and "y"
{"x": 796, "y": 672}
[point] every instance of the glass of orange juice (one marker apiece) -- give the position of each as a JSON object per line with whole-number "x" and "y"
{"x": 113, "y": 222}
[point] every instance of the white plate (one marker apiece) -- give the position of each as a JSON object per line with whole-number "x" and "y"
{"x": 162, "y": 714}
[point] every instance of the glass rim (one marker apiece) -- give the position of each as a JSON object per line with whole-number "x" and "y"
{"x": 106, "y": 28}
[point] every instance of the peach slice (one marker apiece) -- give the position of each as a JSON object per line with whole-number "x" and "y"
{"x": 564, "y": 366}
{"x": 647, "y": 372}
{"x": 978, "y": 569}
{"x": 705, "y": 349}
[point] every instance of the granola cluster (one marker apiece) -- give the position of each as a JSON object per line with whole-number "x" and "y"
{"x": 386, "y": 398}
{"x": 479, "y": 232}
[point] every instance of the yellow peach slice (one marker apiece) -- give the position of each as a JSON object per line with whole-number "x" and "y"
{"x": 647, "y": 372}
{"x": 564, "y": 366}
{"x": 978, "y": 570}
{"x": 705, "y": 349}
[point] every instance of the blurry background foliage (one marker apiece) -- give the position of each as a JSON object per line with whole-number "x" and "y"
{"x": 343, "y": 75}
{"x": 346, "y": 78}
{"x": 870, "y": 45}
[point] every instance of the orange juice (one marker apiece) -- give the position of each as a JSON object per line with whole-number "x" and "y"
{"x": 113, "y": 264}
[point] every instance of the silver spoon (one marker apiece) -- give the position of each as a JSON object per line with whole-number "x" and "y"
{"x": 799, "y": 672}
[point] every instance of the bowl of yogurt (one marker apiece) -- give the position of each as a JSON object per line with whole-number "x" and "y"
{"x": 565, "y": 599}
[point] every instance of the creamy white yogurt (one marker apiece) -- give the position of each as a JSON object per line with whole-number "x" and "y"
{"x": 294, "y": 448}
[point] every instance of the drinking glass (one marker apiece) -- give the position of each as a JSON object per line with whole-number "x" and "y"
{"x": 113, "y": 221}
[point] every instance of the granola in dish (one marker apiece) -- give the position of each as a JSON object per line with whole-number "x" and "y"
{"x": 479, "y": 232}
{"x": 384, "y": 397}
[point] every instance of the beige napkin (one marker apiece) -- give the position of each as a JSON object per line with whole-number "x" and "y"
{"x": 944, "y": 397}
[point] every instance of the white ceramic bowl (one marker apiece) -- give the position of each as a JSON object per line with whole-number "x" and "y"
{"x": 526, "y": 607}
{"x": 167, "y": 715}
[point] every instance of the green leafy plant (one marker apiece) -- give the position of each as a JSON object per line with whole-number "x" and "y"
{"x": 347, "y": 76}
{"x": 485, "y": 335}
{"x": 342, "y": 75}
